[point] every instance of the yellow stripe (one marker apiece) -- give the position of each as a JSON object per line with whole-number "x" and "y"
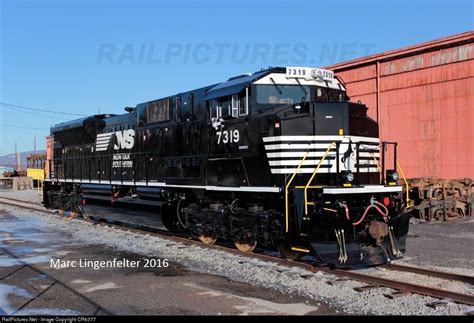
{"x": 308, "y": 186}
{"x": 299, "y": 249}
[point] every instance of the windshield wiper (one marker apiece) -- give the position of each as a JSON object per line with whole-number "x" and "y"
{"x": 303, "y": 88}
{"x": 276, "y": 86}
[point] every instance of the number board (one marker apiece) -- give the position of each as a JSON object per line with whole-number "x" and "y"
{"x": 309, "y": 73}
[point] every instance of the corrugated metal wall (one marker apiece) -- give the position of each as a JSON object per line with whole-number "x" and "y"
{"x": 423, "y": 98}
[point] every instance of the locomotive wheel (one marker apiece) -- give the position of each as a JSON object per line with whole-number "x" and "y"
{"x": 245, "y": 246}
{"x": 208, "y": 238}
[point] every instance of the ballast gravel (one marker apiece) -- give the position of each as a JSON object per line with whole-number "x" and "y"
{"x": 340, "y": 294}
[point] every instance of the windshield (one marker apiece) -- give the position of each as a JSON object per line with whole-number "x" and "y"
{"x": 280, "y": 94}
{"x": 330, "y": 95}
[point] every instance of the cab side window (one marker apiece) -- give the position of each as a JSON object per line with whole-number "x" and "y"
{"x": 225, "y": 107}
{"x": 234, "y": 106}
{"x": 214, "y": 110}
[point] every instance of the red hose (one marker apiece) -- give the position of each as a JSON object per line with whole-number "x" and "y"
{"x": 347, "y": 211}
{"x": 383, "y": 212}
{"x": 363, "y": 215}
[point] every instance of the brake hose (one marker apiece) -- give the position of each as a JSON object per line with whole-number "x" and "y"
{"x": 383, "y": 212}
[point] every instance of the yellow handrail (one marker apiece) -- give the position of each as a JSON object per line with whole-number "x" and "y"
{"x": 405, "y": 180}
{"x": 312, "y": 177}
{"x": 376, "y": 163}
{"x": 286, "y": 190}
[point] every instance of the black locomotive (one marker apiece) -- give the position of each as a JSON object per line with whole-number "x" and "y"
{"x": 279, "y": 157}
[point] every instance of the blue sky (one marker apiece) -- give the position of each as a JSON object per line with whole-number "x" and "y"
{"x": 88, "y": 56}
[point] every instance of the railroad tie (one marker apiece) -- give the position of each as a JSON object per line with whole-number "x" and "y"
{"x": 361, "y": 289}
{"x": 437, "y": 304}
{"x": 397, "y": 294}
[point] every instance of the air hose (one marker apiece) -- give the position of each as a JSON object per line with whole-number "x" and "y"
{"x": 375, "y": 204}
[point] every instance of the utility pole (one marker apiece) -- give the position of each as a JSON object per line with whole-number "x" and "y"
{"x": 35, "y": 146}
{"x": 18, "y": 162}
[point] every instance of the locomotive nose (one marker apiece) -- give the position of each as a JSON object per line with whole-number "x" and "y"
{"x": 314, "y": 118}
{"x": 371, "y": 243}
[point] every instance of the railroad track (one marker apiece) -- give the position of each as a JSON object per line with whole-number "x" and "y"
{"x": 401, "y": 288}
{"x": 430, "y": 272}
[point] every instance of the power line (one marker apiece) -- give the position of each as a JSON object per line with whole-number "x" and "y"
{"x": 41, "y": 110}
{"x": 23, "y": 127}
{"x": 34, "y": 113}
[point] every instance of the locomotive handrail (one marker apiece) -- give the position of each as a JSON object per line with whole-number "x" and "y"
{"x": 406, "y": 183}
{"x": 376, "y": 162}
{"x": 312, "y": 177}
{"x": 288, "y": 185}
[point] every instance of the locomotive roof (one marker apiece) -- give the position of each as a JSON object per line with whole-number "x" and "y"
{"x": 237, "y": 84}
{"x": 232, "y": 86}
{"x": 78, "y": 122}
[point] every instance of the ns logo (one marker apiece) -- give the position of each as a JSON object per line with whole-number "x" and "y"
{"x": 125, "y": 140}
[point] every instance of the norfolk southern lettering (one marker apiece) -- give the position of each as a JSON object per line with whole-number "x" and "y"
{"x": 280, "y": 158}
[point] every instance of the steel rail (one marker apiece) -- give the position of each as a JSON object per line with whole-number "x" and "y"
{"x": 430, "y": 272}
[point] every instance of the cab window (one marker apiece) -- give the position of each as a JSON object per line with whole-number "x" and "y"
{"x": 282, "y": 94}
{"x": 329, "y": 95}
{"x": 230, "y": 106}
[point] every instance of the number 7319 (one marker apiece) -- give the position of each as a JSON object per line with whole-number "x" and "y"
{"x": 228, "y": 136}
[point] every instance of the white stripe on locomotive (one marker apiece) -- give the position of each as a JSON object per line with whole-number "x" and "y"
{"x": 369, "y": 152}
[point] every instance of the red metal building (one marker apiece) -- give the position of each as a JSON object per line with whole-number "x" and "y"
{"x": 422, "y": 95}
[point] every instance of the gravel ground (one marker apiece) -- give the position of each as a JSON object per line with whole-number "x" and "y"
{"x": 138, "y": 290}
{"x": 33, "y": 196}
{"x": 444, "y": 245}
{"x": 255, "y": 272}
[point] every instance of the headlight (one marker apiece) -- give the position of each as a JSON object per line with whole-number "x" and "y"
{"x": 392, "y": 175}
{"x": 347, "y": 176}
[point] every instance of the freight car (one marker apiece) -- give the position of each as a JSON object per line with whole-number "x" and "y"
{"x": 35, "y": 168}
{"x": 279, "y": 157}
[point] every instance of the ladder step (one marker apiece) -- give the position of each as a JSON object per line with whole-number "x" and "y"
{"x": 301, "y": 249}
